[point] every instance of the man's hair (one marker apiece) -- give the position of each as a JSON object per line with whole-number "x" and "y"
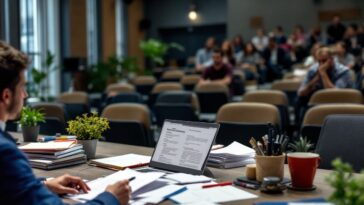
{"x": 325, "y": 49}
{"x": 218, "y": 50}
{"x": 12, "y": 63}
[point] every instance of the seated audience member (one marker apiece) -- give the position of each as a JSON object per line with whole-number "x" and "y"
{"x": 280, "y": 36}
{"x": 275, "y": 60}
{"x": 228, "y": 55}
{"x": 312, "y": 59}
{"x": 251, "y": 61}
{"x": 315, "y": 36}
{"x": 342, "y": 56}
{"x": 204, "y": 55}
{"x": 218, "y": 72}
{"x": 238, "y": 45}
{"x": 297, "y": 42}
{"x": 260, "y": 41}
{"x": 326, "y": 73}
{"x": 335, "y": 30}
{"x": 351, "y": 40}
{"x": 18, "y": 185}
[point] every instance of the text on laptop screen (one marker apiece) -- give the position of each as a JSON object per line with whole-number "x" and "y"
{"x": 183, "y": 145}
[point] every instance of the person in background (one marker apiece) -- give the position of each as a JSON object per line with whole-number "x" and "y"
{"x": 342, "y": 56}
{"x": 218, "y": 72}
{"x": 204, "y": 55}
{"x": 238, "y": 45}
{"x": 275, "y": 60}
{"x": 335, "y": 30}
{"x": 18, "y": 185}
{"x": 228, "y": 53}
{"x": 297, "y": 43}
{"x": 279, "y": 34}
{"x": 251, "y": 62}
{"x": 260, "y": 41}
{"x": 312, "y": 59}
{"x": 326, "y": 73}
{"x": 316, "y": 36}
{"x": 351, "y": 40}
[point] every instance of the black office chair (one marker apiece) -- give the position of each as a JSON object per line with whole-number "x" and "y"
{"x": 176, "y": 105}
{"x": 241, "y": 121}
{"x": 129, "y": 124}
{"x": 52, "y": 126}
{"x": 128, "y": 132}
{"x": 125, "y": 98}
{"x": 342, "y": 137}
{"x": 315, "y": 117}
{"x": 212, "y": 96}
{"x": 240, "y": 132}
{"x": 74, "y": 109}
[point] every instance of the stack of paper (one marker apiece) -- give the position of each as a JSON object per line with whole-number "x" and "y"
{"x": 99, "y": 185}
{"x": 52, "y": 155}
{"x": 122, "y": 162}
{"x": 234, "y": 155}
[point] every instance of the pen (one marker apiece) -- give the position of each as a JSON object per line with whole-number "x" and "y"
{"x": 246, "y": 185}
{"x": 131, "y": 179}
{"x": 218, "y": 184}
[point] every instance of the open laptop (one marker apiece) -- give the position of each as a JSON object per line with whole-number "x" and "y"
{"x": 183, "y": 147}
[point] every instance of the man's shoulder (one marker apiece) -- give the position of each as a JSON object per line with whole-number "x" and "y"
{"x": 5, "y": 142}
{"x": 340, "y": 68}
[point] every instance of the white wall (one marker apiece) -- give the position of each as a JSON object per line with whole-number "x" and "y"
{"x": 287, "y": 13}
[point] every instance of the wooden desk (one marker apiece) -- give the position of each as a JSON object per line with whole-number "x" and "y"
{"x": 105, "y": 149}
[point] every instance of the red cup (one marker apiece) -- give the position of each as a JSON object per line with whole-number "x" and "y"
{"x": 302, "y": 167}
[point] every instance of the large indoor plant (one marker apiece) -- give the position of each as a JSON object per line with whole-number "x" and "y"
{"x": 88, "y": 129}
{"x": 29, "y": 121}
{"x": 348, "y": 188}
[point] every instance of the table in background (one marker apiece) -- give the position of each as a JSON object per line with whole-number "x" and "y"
{"x": 106, "y": 149}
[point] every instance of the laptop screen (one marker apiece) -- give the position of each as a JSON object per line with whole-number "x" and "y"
{"x": 184, "y": 146}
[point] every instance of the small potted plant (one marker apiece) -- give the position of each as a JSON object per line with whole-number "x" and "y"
{"x": 302, "y": 165}
{"x": 88, "y": 129}
{"x": 29, "y": 121}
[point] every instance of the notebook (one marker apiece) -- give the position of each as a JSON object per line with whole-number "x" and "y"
{"x": 122, "y": 162}
{"x": 49, "y": 147}
{"x": 183, "y": 146}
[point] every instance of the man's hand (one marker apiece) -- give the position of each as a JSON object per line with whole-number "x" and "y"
{"x": 121, "y": 190}
{"x": 67, "y": 184}
{"x": 325, "y": 66}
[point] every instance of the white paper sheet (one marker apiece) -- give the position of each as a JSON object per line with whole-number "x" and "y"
{"x": 99, "y": 185}
{"x": 183, "y": 178}
{"x": 213, "y": 195}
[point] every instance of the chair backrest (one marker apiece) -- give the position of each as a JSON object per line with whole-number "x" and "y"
{"x": 120, "y": 88}
{"x": 286, "y": 85}
{"x": 144, "y": 80}
{"x": 125, "y": 98}
{"x": 179, "y": 97}
{"x": 166, "y": 86}
{"x": 274, "y": 97}
{"x": 174, "y": 75}
{"x": 248, "y": 113}
{"x": 189, "y": 81}
{"x": 316, "y": 115}
{"x": 212, "y": 87}
{"x": 178, "y": 111}
{"x": 212, "y": 96}
{"x": 74, "y": 98}
{"x": 342, "y": 136}
{"x": 336, "y": 96}
{"x": 128, "y": 111}
{"x": 290, "y": 87}
{"x": 55, "y": 110}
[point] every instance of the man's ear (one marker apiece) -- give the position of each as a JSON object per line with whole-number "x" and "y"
{"x": 6, "y": 96}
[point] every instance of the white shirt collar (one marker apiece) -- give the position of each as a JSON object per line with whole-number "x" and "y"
{"x": 2, "y": 125}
